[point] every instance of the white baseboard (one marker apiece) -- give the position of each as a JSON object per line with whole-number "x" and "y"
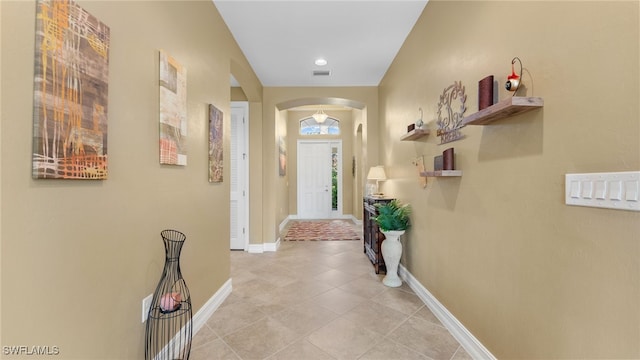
{"x": 473, "y": 347}
{"x": 345, "y": 217}
{"x": 272, "y": 246}
{"x": 260, "y": 248}
{"x": 284, "y": 222}
{"x": 255, "y": 249}
{"x": 205, "y": 312}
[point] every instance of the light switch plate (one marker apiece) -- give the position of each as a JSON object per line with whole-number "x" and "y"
{"x": 614, "y": 190}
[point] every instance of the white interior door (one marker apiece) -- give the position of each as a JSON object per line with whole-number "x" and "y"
{"x": 239, "y": 158}
{"x": 314, "y": 179}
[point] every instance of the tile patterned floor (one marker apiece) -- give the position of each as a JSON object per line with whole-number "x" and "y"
{"x": 319, "y": 301}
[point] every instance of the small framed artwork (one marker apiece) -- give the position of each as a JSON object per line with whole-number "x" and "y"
{"x": 173, "y": 111}
{"x": 216, "y": 144}
{"x": 282, "y": 156}
{"x": 353, "y": 167}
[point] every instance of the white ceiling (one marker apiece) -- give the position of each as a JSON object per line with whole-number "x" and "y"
{"x": 282, "y": 39}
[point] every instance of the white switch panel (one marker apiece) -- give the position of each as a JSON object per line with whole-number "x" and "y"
{"x": 615, "y": 190}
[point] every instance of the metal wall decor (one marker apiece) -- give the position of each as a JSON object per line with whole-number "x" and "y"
{"x": 419, "y": 164}
{"x": 450, "y": 111}
{"x": 513, "y": 80}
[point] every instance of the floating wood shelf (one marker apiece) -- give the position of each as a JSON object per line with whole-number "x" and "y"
{"x": 514, "y": 105}
{"x": 442, "y": 173}
{"x": 414, "y": 135}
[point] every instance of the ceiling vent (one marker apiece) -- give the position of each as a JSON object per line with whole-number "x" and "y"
{"x": 321, "y": 72}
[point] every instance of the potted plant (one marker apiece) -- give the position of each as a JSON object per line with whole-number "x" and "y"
{"x": 393, "y": 220}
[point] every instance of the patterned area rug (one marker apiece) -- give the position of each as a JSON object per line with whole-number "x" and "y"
{"x": 329, "y": 230}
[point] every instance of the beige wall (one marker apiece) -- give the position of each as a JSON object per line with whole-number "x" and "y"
{"x": 529, "y": 276}
{"x": 79, "y": 256}
{"x": 359, "y": 180}
{"x": 256, "y": 173}
{"x": 237, "y": 94}
{"x": 282, "y": 182}
{"x": 346, "y": 135}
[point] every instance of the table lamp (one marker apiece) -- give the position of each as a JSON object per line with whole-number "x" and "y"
{"x": 377, "y": 173}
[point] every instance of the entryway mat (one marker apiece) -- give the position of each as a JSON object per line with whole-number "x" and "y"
{"x": 329, "y": 230}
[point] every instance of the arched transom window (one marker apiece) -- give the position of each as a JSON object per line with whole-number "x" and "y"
{"x": 309, "y": 126}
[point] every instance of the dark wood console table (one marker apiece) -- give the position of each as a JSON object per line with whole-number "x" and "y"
{"x": 372, "y": 235}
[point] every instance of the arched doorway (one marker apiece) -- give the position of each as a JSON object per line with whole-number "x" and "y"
{"x": 343, "y": 152}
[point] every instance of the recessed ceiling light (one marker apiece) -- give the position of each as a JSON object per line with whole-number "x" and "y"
{"x": 321, "y": 62}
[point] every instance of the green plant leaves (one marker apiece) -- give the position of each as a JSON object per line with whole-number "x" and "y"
{"x": 393, "y": 216}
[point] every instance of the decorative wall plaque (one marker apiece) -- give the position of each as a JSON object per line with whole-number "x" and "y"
{"x": 450, "y": 112}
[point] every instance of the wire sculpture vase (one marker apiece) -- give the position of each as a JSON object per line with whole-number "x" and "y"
{"x": 169, "y": 326}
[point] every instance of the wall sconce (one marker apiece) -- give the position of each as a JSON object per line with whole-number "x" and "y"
{"x": 377, "y": 173}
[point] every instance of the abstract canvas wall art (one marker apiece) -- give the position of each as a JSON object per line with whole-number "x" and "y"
{"x": 215, "y": 144}
{"x": 282, "y": 156}
{"x": 70, "y": 93}
{"x": 173, "y": 111}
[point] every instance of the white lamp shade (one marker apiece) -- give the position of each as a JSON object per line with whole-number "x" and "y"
{"x": 376, "y": 173}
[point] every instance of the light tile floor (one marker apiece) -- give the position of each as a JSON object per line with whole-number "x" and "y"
{"x": 319, "y": 300}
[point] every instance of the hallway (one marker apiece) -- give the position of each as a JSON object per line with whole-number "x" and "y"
{"x": 319, "y": 300}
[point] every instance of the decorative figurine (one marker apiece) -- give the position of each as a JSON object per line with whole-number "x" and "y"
{"x": 513, "y": 80}
{"x": 419, "y": 122}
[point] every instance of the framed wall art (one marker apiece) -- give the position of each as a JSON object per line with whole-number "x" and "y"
{"x": 70, "y": 93}
{"x": 282, "y": 156}
{"x": 173, "y": 111}
{"x": 216, "y": 144}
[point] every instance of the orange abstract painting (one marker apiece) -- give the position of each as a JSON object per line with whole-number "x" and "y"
{"x": 70, "y": 93}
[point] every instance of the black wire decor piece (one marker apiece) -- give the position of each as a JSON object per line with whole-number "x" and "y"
{"x": 169, "y": 326}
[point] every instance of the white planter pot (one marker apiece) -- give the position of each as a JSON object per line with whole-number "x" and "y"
{"x": 391, "y": 252}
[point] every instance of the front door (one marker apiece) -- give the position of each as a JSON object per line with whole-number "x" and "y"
{"x": 315, "y": 181}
